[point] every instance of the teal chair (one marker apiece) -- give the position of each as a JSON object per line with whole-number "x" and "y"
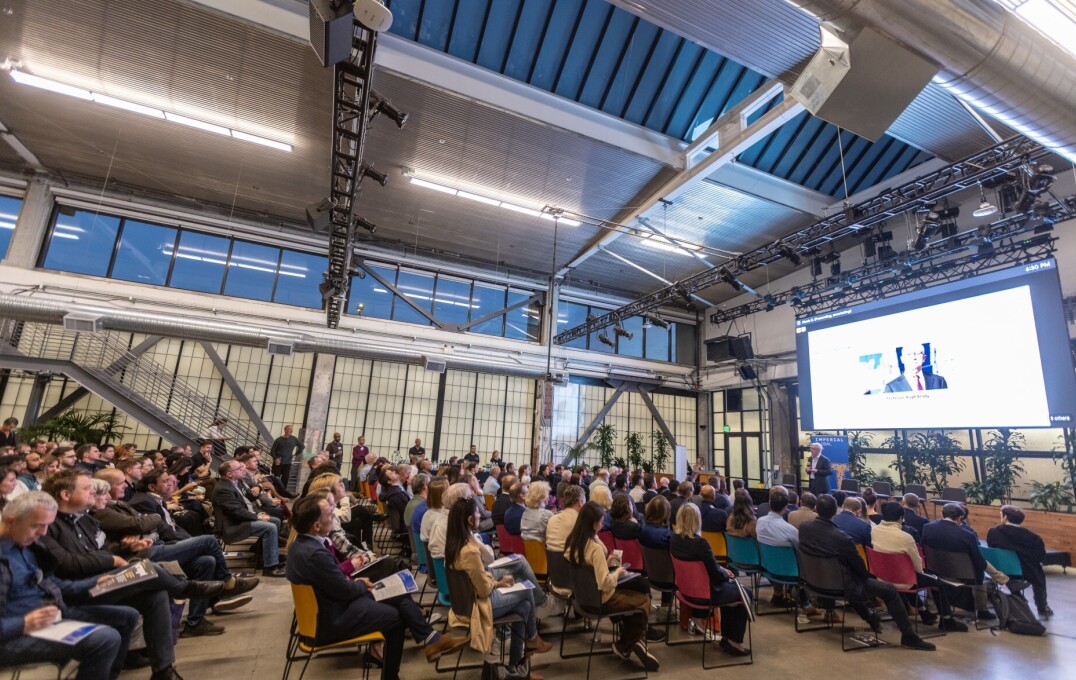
{"x": 779, "y": 565}
{"x": 743, "y": 557}
{"x": 1003, "y": 560}
{"x": 442, "y": 582}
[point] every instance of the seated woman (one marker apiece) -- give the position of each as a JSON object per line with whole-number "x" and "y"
{"x": 687, "y": 544}
{"x": 655, "y": 531}
{"x": 583, "y": 548}
{"x": 742, "y": 520}
{"x": 601, "y": 495}
{"x": 465, "y": 552}
{"x": 537, "y": 515}
{"x": 622, "y": 521}
{"x": 870, "y": 507}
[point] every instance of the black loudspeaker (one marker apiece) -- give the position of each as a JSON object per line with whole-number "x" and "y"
{"x": 746, "y": 372}
{"x": 331, "y": 27}
{"x": 741, "y": 348}
{"x": 719, "y": 349}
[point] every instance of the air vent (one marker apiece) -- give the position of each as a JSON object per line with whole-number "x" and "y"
{"x": 434, "y": 365}
{"x": 281, "y": 348}
{"x": 81, "y": 322}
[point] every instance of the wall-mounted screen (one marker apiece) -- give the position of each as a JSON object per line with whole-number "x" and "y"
{"x": 988, "y": 351}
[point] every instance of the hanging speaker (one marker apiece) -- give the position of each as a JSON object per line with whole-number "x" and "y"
{"x": 747, "y": 372}
{"x": 741, "y": 348}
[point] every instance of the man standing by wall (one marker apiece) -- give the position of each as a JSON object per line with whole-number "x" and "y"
{"x": 285, "y": 448}
{"x": 335, "y": 448}
{"x": 819, "y": 471}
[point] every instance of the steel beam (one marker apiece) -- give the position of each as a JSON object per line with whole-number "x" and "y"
{"x": 596, "y": 421}
{"x": 237, "y": 390}
{"x": 537, "y": 297}
{"x": 396, "y": 291}
{"x": 658, "y": 419}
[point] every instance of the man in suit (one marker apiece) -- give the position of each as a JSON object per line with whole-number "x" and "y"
{"x": 503, "y": 501}
{"x": 239, "y": 519}
{"x": 819, "y": 470}
{"x": 820, "y": 537}
{"x": 346, "y": 609}
{"x": 1029, "y": 548}
{"x": 946, "y": 534}
{"x": 713, "y": 517}
{"x": 683, "y": 495}
{"x": 913, "y": 521}
{"x": 848, "y": 521}
{"x": 913, "y": 379}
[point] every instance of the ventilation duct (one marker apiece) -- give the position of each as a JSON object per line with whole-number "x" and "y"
{"x": 989, "y": 58}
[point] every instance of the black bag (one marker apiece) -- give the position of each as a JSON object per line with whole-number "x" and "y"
{"x": 1014, "y": 613}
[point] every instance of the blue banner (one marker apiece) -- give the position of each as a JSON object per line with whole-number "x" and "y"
{"x": 834, "y": 448}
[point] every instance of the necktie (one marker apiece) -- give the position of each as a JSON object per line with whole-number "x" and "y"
{"x": 919, "y": 382}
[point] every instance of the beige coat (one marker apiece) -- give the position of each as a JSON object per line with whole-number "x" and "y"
{"x": 597, "y": 557}
{"x": 480, "y": 623}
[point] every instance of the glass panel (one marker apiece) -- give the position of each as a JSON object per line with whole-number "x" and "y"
{"x": 752, "y": 422}
{"x": 684, "y": 343}
{"x": 735, "y": 457}
{"x": 657, "y": 343}
{"x": 754, "y": 459}
{"x": 634, "y": 346}
{"x": 569, "y": 316}
{"x": 252, "y": 271}
{"x": 487, "y": 299}
{"x": 418, "y": 288}
{"x": 750, "y": 400}
{"x": 200, "y": 262}
{"x": 597, "y": 345}
{"x": 9, "y": 213}
{"x": 522, "y": 323}
{"x": 82, "y": 242}
{"x": 297, "y": 282}
{"x": 145, "y": 253}
{"x": 452, "y": 302}
{"x": 374, "y": 297}
{"x": 733, "y": 420}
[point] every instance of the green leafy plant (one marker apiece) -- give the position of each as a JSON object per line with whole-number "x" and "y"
{"x": 908, "y": 462}
{"x": 660, "y": 456}
{"x": 605, "y": 444}
{"x": 936, "y": 453}
{"x": 1003, "y": 467}
{"x": 620, "y": 462}
{"x": 1066, "y": 456}
{"x": 636, "y": 449}
{"x": 647, "y": 466}
{"x": 1049, "y": 497}
{"x": 857, "y": 458}
{"x": 978, "y": 492}
{"x": 77, "y": 426}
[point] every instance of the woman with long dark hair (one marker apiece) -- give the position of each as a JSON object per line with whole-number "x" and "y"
{"x": 583, "y": 548}
{"x": 742, "y": 521}
{"x": 465, "y": 552}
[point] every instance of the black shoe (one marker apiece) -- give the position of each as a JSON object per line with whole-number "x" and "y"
{"x": 1046, "y": 612}
{"x": 166, "y": 674}
{"x": 200, "y": 590}
{"x": 928, "y": 617}
{"x": 654, "y": 634}
{"x": 202, "y": 628}
{"x": 643, "y": 658}
{"x": 915, "y": 642}
{"x": 371, "y": 661}
{"x": 136, "y": 659}
{"x": 987, "y": 615}
{"x": 231, "y": 603}
{"x": 875, "y": 622}
{"x": 242, "y": 585}
{"x": 952, "y": 625}
{"x": 275, "y": 572}
{"x": 732, "y": 651}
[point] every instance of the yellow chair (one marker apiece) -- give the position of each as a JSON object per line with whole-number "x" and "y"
{"x": 534, "y": 551}
{"x": 717, "y": 542}
{"x": 304, "y": 630}
{"x": 488, "y": 499}
{"x": 863, "y": 555}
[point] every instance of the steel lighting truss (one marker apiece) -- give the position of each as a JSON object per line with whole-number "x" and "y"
{"x": 351, "y": 116}
{"x": 998, "y": 160}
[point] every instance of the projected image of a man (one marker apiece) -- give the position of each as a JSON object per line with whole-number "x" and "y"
{"x": 914, "y": 379}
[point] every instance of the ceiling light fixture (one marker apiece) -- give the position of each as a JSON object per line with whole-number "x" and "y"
{"x": 621, "y": 332}
{"x": 606, "y": 340}
{"x": 24, "y": 78}
{"x": 986, "y": 208}
{"x": 656, "y": 321}
{"x": 480, "y": 198}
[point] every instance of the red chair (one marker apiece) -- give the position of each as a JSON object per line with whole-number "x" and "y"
{"x": 894, "y": 568}
{"x": 509, "y": 544}
{"x": 633, "y": 553}
{"x": 606, "y": 537}
{"x": 693, "y": 587}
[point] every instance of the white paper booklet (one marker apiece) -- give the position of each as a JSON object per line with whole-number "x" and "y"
{"x": 400, "y": 583}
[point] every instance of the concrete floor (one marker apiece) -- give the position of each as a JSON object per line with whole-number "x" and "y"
{"x": 253, "y": 647}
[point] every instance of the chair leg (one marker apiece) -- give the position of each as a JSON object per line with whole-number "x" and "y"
{"x": 308, "y": 658}
{"x": 593, "y": 639}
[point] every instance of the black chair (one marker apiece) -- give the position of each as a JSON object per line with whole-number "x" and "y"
{"x": 462, "y": 594}
{"x": 850, "y": 485}
{"x": 823, "y": 577}
{"x": 560, "y": 575}
{"x": 954, "y": 568}
{"x": 882, "y": 489}
{"x": 790, "y": 482}
{"x": 920, "y": 491}
{"x": 659, "y": 568}
{"x": 953, "y": 494}
{"x": 588, "y": 603}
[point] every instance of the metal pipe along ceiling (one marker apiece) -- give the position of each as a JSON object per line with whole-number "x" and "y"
{"x": 989, "y": 58}
{"x": 172, "y": 326}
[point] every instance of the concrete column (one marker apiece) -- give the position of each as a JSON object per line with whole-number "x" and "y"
{"x": 542, "y": 433}
{"x": 781, "y": 437}
{"x": 704, "y": 412}
{"x": 32, "y": 225}
{"x": 317, "y": 412}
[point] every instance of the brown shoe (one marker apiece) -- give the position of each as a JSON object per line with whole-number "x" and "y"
{"x": 446, "y": 644}
{"x": 538, "y": 646}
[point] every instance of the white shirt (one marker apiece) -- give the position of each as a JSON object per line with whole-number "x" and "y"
{"x": 491, "y": 487}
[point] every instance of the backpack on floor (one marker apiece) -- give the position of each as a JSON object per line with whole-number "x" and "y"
{"x": 1014, "y": 613}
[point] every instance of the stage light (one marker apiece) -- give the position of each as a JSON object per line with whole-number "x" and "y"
{"x": 771, "y": 302}
{"x": 728, "y": 278}
{"x": 606, "y": 340}
{"x": 656, "y": 321}
{"x": 380, "y": 105}
{"x": 366, "y": 224}
{"x": 788, "y": 253}
{"x": 367, "y": 170}
{"x": 622, "y": 333}
{"x": 816, "y": 266}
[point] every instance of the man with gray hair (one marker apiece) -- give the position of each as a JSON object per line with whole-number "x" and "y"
{"x": 30, "y": 599}
{"x": 912, "y": 519}
{"x": 420, "y": 485}
{"x": 492, "y": 487}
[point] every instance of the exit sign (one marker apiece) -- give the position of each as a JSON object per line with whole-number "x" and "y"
{"x": 727, "y": 428}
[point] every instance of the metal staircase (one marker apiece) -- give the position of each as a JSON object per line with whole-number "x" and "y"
{"x": 132, "y": 382}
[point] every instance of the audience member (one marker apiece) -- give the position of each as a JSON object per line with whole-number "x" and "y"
{"x": 806, "y": 511}
{"x": 946, "y": 534}
{"x": 1028, "y": 546}
{"x": 772, "y": 529}
{"x": 513, "y": 516}
{"x": 492, "y": 487}
{"x": 622, "y": 520}
{"x": 683, "y": 495}
{"x": 655, "y": 531}
{"x": 420, "y": 488}
{"x": 561, "y": 524}
{"x": 714, "y": 518}
{"x": 536, "y": 517}
{"x": 849, "y": 521}
{"x": 912, "y": 519}
{"x": 503, "y": 501}
{"x": 742, "y": 523}
{"x": 240, "y": 519}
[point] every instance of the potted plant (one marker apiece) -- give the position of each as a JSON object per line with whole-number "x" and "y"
{"x": 77, "y": 426}
{"x": 660, "y": 456}
{"x": 1003, "y": 467}
{"x": 907, "y": 464}
{"x": 936, "y": 454}
{"x": 1049, "y": 497}
{"x": 1066, "y": 456}
{"x": 857, "y": 459}
{"x": 605, "y": 443}
{"x": 634, "y": 443}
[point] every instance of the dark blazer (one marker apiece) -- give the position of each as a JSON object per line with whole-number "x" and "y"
{"x": 697, "y": 549}
{"x": 821, "y": 538}
{"x": 942, "y": 534}
{"x": 500, "y": 505}
{"x": 71, "y": 542}
{"x": 858, "y": 530}
{"x": 713, "y": 517}
{"x": 229, "y": 506}
{"x": 1027, "y": 545}
{"x": 915, "y": 521}
{"x": 823, "y": 471}
{"x": 674, "y": 507}
{"x": 513, "y": 518}
{"x": 930, "y": 382}
{"x": 626, "y": 531}
{"x": 119, "y": 519}
{"x": 144, "y": 502}
{"x": 345, "y": 609}
{"x": 653, "y": 536}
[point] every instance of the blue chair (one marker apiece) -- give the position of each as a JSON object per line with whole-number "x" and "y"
{"x": 442, "y": 582}
{"x": 743, "y": 556}
{"x": 1004, "y": 560}
{"x": 779, "y": 565}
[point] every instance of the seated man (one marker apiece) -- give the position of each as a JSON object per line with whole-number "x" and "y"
{"x": 888, "y": 536}
{"x": 713, "y": 517}
{"x": 806, "y": 511}
{"x": 1028, "y": 546}
{"x": 503, "y": 501}
{"x": 154, "y": 495}
{"x": 848, "y": 521}
{"x": 492, "y": 486}
{"x": 200, "y": 558}
{"x": 772, "y": 529}
{"x": 513, "y": 516}
{"x": 257, "y": 487}
{"x": 946, "y": 534}
{"x": 31, "y": 599}
{"x": 346, "y": 609}
{"x": 240, "y": 520}
{"x": 821, "y": 538}
{"x": 912, "y": 519}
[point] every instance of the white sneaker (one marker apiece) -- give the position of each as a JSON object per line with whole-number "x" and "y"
{"x": 434, "y": 618}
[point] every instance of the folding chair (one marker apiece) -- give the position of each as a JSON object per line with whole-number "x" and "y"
{"x": 743, "y": 556}
{"x": 534, "y": 551}
{"x": 588, "y": 603}
{"x": 897, "y": 568}
{"x": 823, "y": 577}
{"x": 1004, "y": 560}
{"x": 488, "y": 499}
{"x": 662, "y": 577}
{"x": 882, "y": 489}
{"x": 718, "y": 544}
{"x": 462, "y": 596}
{"x": 956, "y": 569}
{"x": 850, "y": 485}
{"x": 17, "y": 669}
{"x": 304, "y": 633}
{"x": 560, "y": 575}
{"x": 779, "y": 566}
{"x": 509, "y": 543}
{"x": 693, "y": 583}
{"x": 606, "y": 537}
{"x": 633, "y": 553}
{"x": 953, "y": 494}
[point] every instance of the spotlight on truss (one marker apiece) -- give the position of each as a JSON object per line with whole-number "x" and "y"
{"x": 605, "y": 339}
{"x": 367, "y": 170}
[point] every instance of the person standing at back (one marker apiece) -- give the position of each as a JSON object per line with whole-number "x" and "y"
{"x": 819, "y": 470}
{"x": 285, "y": 448}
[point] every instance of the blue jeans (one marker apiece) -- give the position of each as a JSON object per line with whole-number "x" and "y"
{"x": 521, "y": 603}
{"x": 100, "y": 654}
{"x": 520, "y": 570}
{"x": 267, "y": 532}
{"x": 201, "y": 559}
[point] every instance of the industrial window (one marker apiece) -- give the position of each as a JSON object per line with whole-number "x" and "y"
{"x": 200, "y": 262}
{"x": 570, "y": 316}
{"x": 524, "y": 322}
{"x": 452, "y": 303}
{"x": 369, "y": 297}
{"x": 486, "y": 299}
{"x": 82, "y": 242}
{"x": 9, "y": 213}
{"x": 251, "y": 271}
{"x": 145, "y": 253}
{"x": 298, "y": 279}
{"x": 418, "y": 287}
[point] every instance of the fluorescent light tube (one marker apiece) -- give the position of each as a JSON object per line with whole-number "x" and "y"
{"x": 126, "y": 105}
{"x": 431, "y": 185}
{"x": 521, "y": 209}
{"x": 51, "y": 85}
{"x": 476, "y": 197}
{"x": 261, "y": 140}
{"x": 201, "y": 125}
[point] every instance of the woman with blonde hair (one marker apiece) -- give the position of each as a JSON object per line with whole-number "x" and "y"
{"x": 601, "y": 495}
{"x": 536, "y": 516}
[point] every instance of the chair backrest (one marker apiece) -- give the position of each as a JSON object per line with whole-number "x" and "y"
{"x": 488, "y": 499}
{"x": 1004, "y": 560}
{"x": 779, "y": 561}
{"x": 891, "y": 567}
{"x": 606, "y": 537}
{"x": 659, "y": 566}
{"x": 559, "y": 573}
{"x": 955, "y": 494}
{"x": 884, "y": 488}
{"x": 420, "y": 550}
{"x": 919, "y": 490}
{"x": 850, "y": 485}
{"x": 534, "y": 551}
{"x": 364, "y": 488}
{"x": 821, "y": 574}
{"x": 442, "y": 581}
{"x": 743, "y": 552}
{"x": 395, "y": 520}
{"x": 950, "y": 564}
{"x": 863, "y": 554}
{"x": 306, "y": 610}
{"x": 718, "y": 544}
{"x": 692, "y": 579}
{"x": 509, "y": 543}
{"x": 633, "y": 552}
{"x": 788, "y": 479}
{"x": 460, "y": 592}
{"x": 588, "y": 599}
